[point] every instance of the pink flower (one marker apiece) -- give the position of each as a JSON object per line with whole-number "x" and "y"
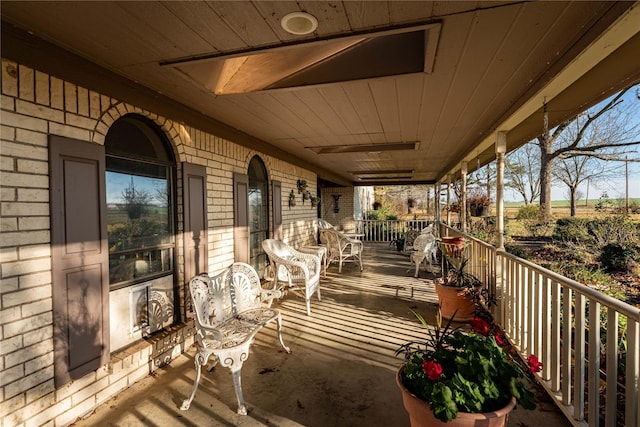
{"x": 499, "y": 339}
{"x": 432, "y": 369}
{"x": 534, "y": 364}
{"x": 479, "y": 325}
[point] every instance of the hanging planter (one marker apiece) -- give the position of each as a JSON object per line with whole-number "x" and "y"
{"x": 292, "y": 199}
{"x": 315, "y": 201}
{"x": 302, "y": 186}
{"x": 376, "y": 205}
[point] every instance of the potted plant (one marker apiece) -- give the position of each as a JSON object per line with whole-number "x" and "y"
{"x": 376, "y": 205}
{"x": 457, "y": 378}
{"x": 458, "y": 292}
{"x": 302, "y": 185}
{"x": 292, "y": 199}
{"x": 478, "y": 203}
{"x": 315, "y": 201}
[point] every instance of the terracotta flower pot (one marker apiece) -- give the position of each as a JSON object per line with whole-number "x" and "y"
{"x": 452, "y": 299}
{"x": 421, "y": 415}
{"x": 454, "y": 246}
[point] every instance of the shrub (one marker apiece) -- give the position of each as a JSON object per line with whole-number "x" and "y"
{"x": 376, "y": 215}
{"x": 592, "y": 277}
{"x": 618, "y": 229}
{"x": 617, "y": 258}
{"x": 529, "y": 212}
{"x": 572, "y": 230}
{"x": 516, "y": 250}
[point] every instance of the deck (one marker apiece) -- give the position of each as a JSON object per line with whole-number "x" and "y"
{"x": 341, "y": 370}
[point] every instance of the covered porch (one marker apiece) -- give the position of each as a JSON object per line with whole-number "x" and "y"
{"x": 341, "y": 369}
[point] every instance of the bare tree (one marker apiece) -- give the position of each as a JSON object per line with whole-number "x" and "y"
{"x": 555, "y": 144}
{"x": 574, "y": 171}
{"x": 522, "y": 172}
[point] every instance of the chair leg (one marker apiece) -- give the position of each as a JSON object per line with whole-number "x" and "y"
{"x": 279, "y": 324}
{"x": 200, "y": 360}
{"x": 308, "y": 306}
{"x": 233, "y": 359}
{"x": 237, "y": 386}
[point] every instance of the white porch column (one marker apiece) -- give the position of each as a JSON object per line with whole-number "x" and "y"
{"x": 501, "y": 147}
{"x": 463, "y": 196}
{"x": 436, "y": 205}
{"x": 500, "y": 309}
{"x": 449, "y": 200}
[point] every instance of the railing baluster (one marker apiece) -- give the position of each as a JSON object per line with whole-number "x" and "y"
{"x": 565, "y": 361}
{"x": 611, "y": 410}
{"x": 578, "y": 386}
{"x": 545, "y": 352}
{"x": 539, "y": 307}
{"x": 555, "y": 336}
{"x": 594, "y": 364}
{"x": 631, "y": 377}
{"x": 530, "y": 309}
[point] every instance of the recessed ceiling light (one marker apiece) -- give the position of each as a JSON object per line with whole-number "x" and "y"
{"x": 299, "y": 23}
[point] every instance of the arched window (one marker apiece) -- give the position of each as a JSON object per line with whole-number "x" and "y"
{"x": 140, "y": 215}
{"x": 258, "y": 213}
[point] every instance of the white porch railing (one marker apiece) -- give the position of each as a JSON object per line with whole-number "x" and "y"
{"x": 578, "y": 333}
{"x": 387, "y": 230}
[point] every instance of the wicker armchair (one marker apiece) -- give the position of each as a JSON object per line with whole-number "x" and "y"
{"x": 341, "y": 248}
{"x": 292, "y": 270}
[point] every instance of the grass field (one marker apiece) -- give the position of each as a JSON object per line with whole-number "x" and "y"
{"x": 591, "y": 203}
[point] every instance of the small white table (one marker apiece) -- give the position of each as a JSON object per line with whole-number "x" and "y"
{"x": 319, "y": 251}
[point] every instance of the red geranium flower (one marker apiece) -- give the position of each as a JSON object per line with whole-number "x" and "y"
{"x": 499, "y": 339}
{"x": 432, "y": 369}
{"x": 534, "y": 364}
{"x": 479, "y": 325}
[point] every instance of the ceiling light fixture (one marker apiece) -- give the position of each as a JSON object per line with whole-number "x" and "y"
{"x": 299, "y": 23}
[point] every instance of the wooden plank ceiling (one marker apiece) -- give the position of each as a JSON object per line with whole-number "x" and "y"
{"x": 487, "y": 67}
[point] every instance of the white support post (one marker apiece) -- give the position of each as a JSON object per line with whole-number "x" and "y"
{"x": 449, "y": 200}
{"x": 501, "y": 148}
{"x": 463, "y": 196}
{"x": 436, "y": 193}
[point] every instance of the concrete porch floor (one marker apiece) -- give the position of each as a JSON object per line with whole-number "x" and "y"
{"x": 340, "y": 372}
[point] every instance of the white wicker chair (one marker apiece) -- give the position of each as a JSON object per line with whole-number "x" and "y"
{"x": 293, "y": 270}
{"x": 341, "y": 248}
{"x": 425, "y": 248}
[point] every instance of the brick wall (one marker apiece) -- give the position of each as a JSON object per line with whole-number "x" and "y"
{"x": 34, "y": 105}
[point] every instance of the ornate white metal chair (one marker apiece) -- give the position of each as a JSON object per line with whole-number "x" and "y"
{"x": 293, "y": 270}
{"x": 425, "y": 248}
{"x": 228, "y": 314}
{"x": 341, "y": 247}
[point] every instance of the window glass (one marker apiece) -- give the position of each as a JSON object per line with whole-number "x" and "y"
{"x": 258, "y": 213}
{"x": 139, "y": 205}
